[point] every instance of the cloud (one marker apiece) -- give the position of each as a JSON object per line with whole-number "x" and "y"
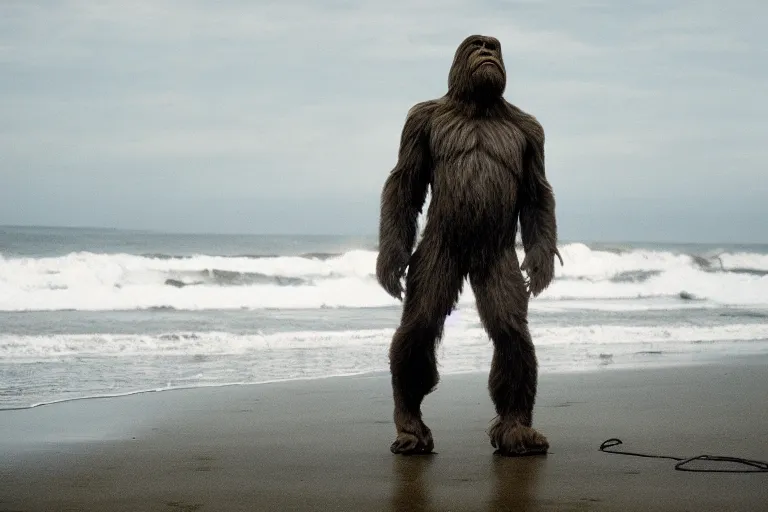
{"x": 306, "y": 99}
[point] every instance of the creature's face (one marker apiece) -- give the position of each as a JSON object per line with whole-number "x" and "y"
{"x": 478, "y": 69}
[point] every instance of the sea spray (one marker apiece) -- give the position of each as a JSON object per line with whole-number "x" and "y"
{"x": 100, "y": 281}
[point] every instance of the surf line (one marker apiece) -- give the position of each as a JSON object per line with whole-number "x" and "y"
{"x": 757, "y": 465}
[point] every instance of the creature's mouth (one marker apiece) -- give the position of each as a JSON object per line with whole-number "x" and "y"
{"x": 488, "y": 60}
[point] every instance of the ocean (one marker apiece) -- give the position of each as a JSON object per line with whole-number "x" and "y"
{"x": 96, "y": 312}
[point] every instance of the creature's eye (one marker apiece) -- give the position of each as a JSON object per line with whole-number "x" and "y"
{"x": 491, "y": 46}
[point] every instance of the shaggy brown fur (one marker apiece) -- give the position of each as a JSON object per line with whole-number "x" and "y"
{"x": 484, "y": 160}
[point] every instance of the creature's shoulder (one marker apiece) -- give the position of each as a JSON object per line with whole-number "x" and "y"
{"x": 528, "y": 123}
{"x": 418, "y": 121}
{"x": 421, "y": 112}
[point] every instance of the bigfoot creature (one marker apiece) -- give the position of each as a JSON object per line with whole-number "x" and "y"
{"x": 484, "y": 160}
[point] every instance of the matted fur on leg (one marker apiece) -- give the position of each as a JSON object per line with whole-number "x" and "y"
{"x": 413, "y": 437}
{"x": 510, "y": 437}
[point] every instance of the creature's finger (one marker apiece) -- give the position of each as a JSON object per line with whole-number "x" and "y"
{"x": 393, "y": 289}
{"x": 535, "y": 286}
{"x": 557, "y": 253}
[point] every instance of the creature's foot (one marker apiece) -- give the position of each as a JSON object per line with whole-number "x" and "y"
{"x": 512, "y": 438}
{"x": 413, "y": 441}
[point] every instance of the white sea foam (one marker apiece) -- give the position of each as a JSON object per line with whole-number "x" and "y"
{"x": 459, "y": 336}
{"x": 743, "y": 260}
{"x": 43, "y": 369}
{"x": 88, "y": 281}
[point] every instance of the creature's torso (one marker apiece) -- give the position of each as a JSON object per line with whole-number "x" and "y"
{"x": 477, "y": 165}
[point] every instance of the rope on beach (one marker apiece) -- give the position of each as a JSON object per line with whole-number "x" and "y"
{"x": 759, "y": 466}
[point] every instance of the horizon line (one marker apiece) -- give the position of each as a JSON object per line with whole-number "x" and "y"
{"x": 351, "y": 235}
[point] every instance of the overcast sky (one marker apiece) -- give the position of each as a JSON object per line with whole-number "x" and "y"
{"x": 284, "y": 116}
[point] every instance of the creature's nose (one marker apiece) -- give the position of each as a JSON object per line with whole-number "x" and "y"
{"x": 486, "y": 49}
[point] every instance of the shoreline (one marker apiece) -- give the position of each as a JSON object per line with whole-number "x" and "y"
{"x": 323, "y": 445}
{"x": 702, "y": 360}
{"x": 179, "y": 388}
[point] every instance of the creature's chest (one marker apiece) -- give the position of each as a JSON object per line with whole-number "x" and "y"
{"x": 466, "y": 141}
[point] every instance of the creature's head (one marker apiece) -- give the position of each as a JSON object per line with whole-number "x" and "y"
{"x": 477, "y": 73}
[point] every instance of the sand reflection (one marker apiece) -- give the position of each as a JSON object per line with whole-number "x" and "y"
{"x": 510, "y": 480}
{"x": 411, "y": 487}
{"x": 514, "y": 482}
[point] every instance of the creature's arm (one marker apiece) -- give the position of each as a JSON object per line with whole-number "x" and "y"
{"x": 402, "y": 199}
{"x": 538, "y": 224}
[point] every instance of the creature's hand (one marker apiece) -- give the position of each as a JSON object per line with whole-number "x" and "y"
{"x": 539, "y": 264}
{"x": 390, "y": 268}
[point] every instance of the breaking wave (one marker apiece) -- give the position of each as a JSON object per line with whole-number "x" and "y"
{"x": 49, "y": 368}
{"x": 93, "y": 281}
{"x": 460, "y": 337}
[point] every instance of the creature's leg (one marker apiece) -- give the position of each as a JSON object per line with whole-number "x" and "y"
{"x": 502, "y": 302}
{"x": 433, "y": 285}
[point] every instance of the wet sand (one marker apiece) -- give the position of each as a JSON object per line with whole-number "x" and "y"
{"x": 324, "y": 445}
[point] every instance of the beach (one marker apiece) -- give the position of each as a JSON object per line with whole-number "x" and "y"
{"x": 323, "y": 445}
{"x": 148, "y": 371}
